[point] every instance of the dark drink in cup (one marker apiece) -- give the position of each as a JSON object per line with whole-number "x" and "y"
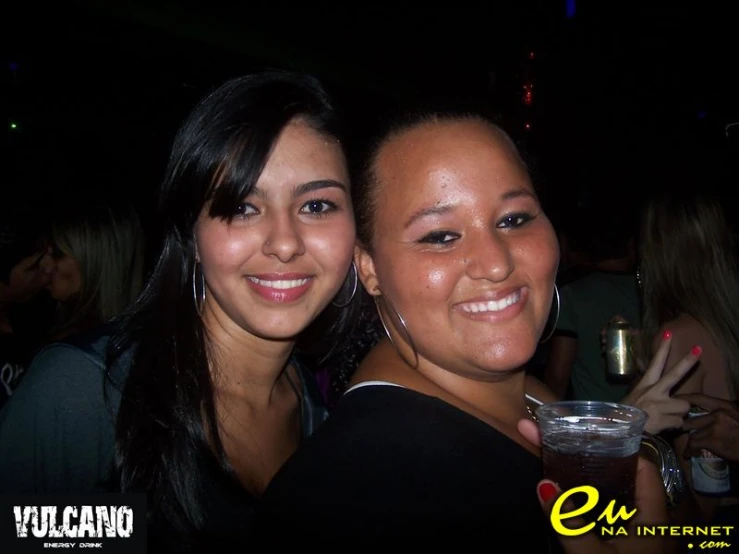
{"x": 592, "y": 443}
{"x": 613, "y": 477}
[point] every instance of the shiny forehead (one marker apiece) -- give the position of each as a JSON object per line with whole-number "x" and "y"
{"x": 442, "y": 145}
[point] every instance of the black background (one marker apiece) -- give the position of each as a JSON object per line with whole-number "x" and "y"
{"x": 625, "y": 93}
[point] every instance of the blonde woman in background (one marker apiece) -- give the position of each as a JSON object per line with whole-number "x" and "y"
{"x": 98, "y": 265}
{"x": 690, "y": 289}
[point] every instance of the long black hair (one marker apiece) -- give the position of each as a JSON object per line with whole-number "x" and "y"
{"x": 167, "y": 419}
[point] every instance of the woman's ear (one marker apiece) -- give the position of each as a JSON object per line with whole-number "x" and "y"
{"x": 366, "y": 270}
{"x": 196, "y": 253}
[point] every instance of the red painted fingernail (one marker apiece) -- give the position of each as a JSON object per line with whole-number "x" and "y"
{"x": 547, "y": 491}
{"x": 696, "y": 350}
{"x": 666, "y": 335}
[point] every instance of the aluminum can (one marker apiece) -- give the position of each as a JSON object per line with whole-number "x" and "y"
{"x": 620, "y": 359}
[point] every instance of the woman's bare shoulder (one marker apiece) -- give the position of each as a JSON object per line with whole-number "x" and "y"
{"x": 377, "y": 364}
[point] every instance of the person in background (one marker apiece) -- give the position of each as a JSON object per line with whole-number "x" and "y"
{"x": 51, "y": 438}
{"x": 25, "y": 308}
{"x": 717, "y": 432}
{"x": 97, "y": 268}
{"x": 690, "y": 284}
{"x": 576, "y": 367}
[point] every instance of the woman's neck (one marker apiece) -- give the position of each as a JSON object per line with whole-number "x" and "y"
{"x": 243, "y": 365}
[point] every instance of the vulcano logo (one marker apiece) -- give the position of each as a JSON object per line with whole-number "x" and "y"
{"x": 73, "y": 521}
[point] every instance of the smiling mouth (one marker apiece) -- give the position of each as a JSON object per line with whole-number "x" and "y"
{"x": 279, "y": 284}
{"x": 491, "y": 305}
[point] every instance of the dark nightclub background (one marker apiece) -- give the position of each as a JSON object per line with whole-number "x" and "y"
{"x": 607, "y": 98}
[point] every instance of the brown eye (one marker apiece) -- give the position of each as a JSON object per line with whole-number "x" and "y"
{"x": 514, "y": 221}
{"x": 245, "y": 209}
{"x": 318, "y": 207}
{"x": 440, "y": 237}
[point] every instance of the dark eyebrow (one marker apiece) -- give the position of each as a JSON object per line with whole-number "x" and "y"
{"x": 518, "y": 193}
{"x": 310, "y": 186}
{"x": 423, "y": 212}
{"x": 318, "y": 185}
{"x": 446, "y": 208}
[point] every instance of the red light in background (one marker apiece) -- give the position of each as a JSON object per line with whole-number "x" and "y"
{"x": 527, "y": 126}
{"x": 528, "y": 93}
{"x": 532, "y": 55}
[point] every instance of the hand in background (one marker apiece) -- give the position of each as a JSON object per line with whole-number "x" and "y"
{"x": 717, "y": 432}
{"x": 652, "y": 392}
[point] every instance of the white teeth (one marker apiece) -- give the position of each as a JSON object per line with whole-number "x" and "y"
{"x": 492, "y": 305}
{"x": 285, "y": 284}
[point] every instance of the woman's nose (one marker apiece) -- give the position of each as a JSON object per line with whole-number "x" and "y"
{"x": 490, "y": 258}
{"x": 284, "y": 240}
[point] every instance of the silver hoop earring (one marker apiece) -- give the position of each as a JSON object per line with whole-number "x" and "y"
{"x": 402, "y": 322}
{"x": 199, "y": 299}
{"x": 353, "y": 270}
{"x": 556, "y": 318}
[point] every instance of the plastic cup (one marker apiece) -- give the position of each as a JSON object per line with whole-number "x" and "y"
{"x": 592, "y": 443}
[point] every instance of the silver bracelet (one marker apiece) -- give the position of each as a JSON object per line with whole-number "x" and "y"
{"x": 660, "y": 452}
